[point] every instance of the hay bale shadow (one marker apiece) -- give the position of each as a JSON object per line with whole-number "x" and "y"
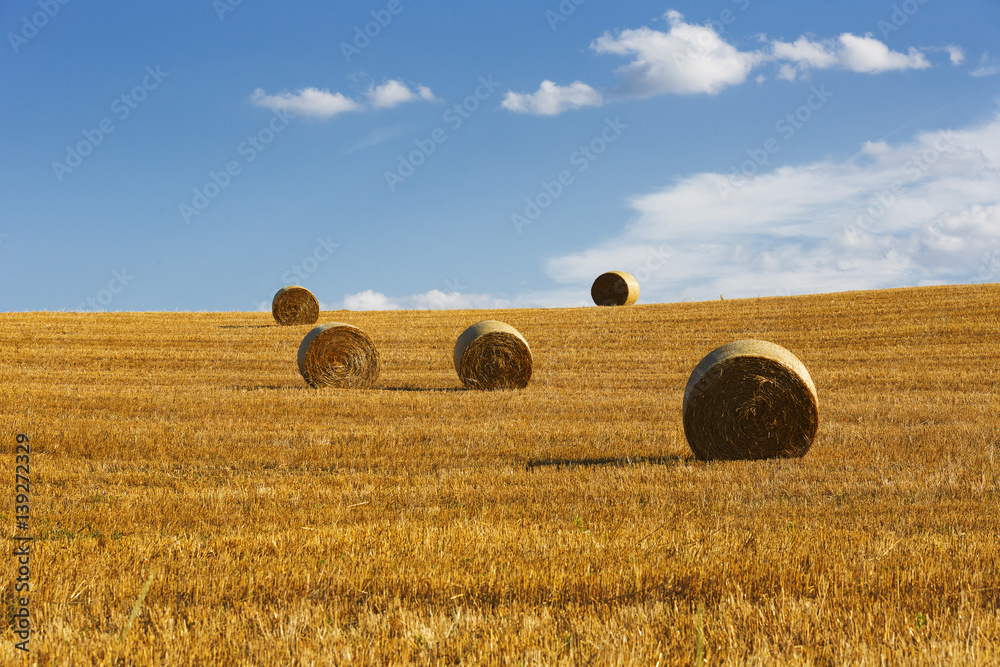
{"x": 673, "y": 459}
{"x": 422, "y": 388}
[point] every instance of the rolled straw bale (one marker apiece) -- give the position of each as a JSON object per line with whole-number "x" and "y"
{"x": 750, "y": 399}
{"x": 294, "y": 305}
{"x": 339, "y": 355}
{"x": 615, "y": 288}
{"x": 493, "y": 355}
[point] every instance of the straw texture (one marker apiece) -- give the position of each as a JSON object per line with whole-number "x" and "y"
{"x": 615, "y": 288}
{"x": 294, "y": 305}
{"x": 339, "y": 355}
{"x": 493, "y": 355}
{"x": 750, "y": 399}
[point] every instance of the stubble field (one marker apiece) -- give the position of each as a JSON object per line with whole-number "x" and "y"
{"x": 567, "y": 523}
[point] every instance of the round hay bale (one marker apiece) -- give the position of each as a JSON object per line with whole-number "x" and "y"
{"x": 493, "y": 355}
{"x": 294, "y": 305}
{"x": 339, "y": 355}
{"x": 750, "y": 399}
{"x": 615, "y": 288}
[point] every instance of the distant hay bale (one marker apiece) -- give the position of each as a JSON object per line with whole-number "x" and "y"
{"x": 615, "y": 288}
{"x": 493, "y": 355}
{"x": 294, "y": 305}
{"x": 750, "y": 399}
{"x": 339, "y": 355}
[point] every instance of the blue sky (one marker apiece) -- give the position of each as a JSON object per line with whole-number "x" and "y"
{"x": 199, "y": 155}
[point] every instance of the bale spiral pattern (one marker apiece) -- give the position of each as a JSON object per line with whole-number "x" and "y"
{"x": 294, "y": 305}
{"x": 615, "y": 288}
{"x": 750, "y": 399}
{"x": 339, "y": 355}
{"x": 493, "y": 355}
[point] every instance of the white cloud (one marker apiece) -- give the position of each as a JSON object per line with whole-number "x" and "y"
{"x": 867, "y": 54}
{"x": 306, "y": 102}
{"x": 857, "y": 54}
{"x": 813, "y": 54}
{"x": 875, "y": 147}
{"x": 551, "y": 99}
{"x": 926, "y": 211}
{"x": 788, "y": 72}
{"x": 440, "y": 300}
{"x": 987, "y": 66}
{"x": 693, "y": 59}
{"x": 394, "y": 92}
{"x": 686, "y": 60}
{"x": 324, "y": 104}
{"x": 369, "y": 300}
{"x": 426, "y": 94}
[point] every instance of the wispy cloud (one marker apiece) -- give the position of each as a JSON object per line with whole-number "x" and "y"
{"x": 987, "y": 66}
{"x": 919, "y": 212}
{"x": 375, "y": 137}
{"x": 955, "y": 54}
{"x": 324, "y": 104}
{"x": 426, "y": 94}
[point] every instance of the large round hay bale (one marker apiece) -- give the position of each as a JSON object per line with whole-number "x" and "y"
{"x": 339, "y": 355}
{"x": 615, "y": 288}
{"x": 294, "y": 305}
{"x": 750, "y": 399}
{"x": 493, "y": 355}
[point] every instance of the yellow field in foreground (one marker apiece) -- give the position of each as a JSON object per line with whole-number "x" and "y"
{"x": 567, "y": 523}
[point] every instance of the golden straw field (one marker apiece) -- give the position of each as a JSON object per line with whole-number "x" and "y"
{"x": 566, "y": 523}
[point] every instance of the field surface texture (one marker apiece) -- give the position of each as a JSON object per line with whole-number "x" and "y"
{"x": 567, "y": 523}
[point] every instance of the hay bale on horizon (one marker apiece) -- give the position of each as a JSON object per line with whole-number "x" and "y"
{"x": 493, "y": 355}
{"x": 750, "y": 399}
{"x": 294, "y": 305}
{"x": 615, "y": 288}
{"x": 339, "y": 355}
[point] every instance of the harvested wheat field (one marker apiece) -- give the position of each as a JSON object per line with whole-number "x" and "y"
{"x": 565, "y": 523}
